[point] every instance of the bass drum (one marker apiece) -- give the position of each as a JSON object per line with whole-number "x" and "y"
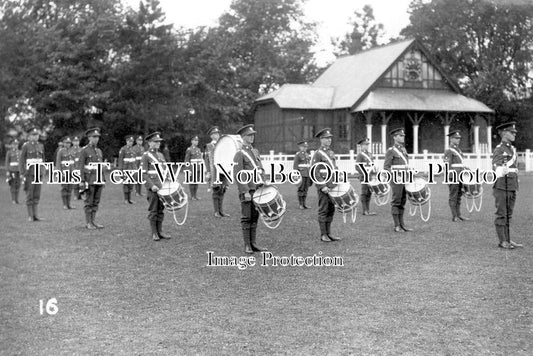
{"x": 225, "y": 149}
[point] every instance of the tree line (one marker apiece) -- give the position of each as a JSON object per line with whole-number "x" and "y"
{"x": 66, "y": 65}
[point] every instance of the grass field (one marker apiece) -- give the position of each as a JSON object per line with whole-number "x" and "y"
{"x": 443, "y": 289}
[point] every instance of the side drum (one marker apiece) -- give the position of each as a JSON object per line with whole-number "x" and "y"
{"x": 344, "y": 197}
{"x": 172, "y": 195}
{"x": 418, "y": 192}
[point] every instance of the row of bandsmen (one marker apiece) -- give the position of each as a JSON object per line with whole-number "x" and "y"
{"x": 396, "y": 158}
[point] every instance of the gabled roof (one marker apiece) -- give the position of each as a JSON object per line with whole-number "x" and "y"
{"x": 353, "y": 75}
{"x": 301, "y": 96}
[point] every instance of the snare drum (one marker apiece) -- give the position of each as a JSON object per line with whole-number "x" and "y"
{"x": 269, "y": 203}
{"x": 418, "y": 191}
{"x": 344, "y": 197}
{"x": 378, "y": 188}
{"x": 472, "y": 191}
{"x": 172, "y": 195}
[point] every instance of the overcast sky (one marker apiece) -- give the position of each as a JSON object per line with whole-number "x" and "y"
{"x": 332, "y": 16}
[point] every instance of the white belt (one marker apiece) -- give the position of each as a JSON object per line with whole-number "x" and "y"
{"x": 303, "y": 165}
{"x": 512, "y": 170}
{"x": 138, "y": 158}
{"x": 34, "y": 160}
{"x": 76, "y": 159}
{"x": 197, "y": 160}
{"x": 13, "y": 164}
{"x": 399, "y": 166}
{"x": 91, "y": 168}
{"x": 458, "y": 165}
{"x": 152, "y": 171}
{"x": 67, "y": 162}
{"x": 130, "y": 159}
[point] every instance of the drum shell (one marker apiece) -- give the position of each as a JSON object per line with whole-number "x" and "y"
{"x": 418, "y": 192}
{"x": 172, "y": 195}
{"x": 271, "y": 209}
{"x": 378, "y": 188}
{"x": 344, "y": 197}
{"x": 225, "y": 149}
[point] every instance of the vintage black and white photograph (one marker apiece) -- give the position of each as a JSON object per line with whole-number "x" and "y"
{"x": 266, "y": 177}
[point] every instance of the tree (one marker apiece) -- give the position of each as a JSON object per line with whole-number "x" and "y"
{"x": 364, "y": 35}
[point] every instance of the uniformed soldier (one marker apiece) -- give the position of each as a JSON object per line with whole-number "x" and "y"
{"x": 453, "y": 156}
{"x": 89, "y": 180}
{"x": 65, "y": 163}
{"x": 59, "y": 147}
{"x": 397, "y": 158}
{"x": 302, "y": 160}
{"x": 326, "y": 208}
{"x": 504, "y": 190}
{"x": 32, "y": 153}
{"x": 139, "y": 150}
{"x": 76, "y": 151}
{"x": 193, "y": 154}
{"x": 247, "y": 158}
{"x": 218, "y": 190}
{"x": 12, "y": 170}
{"x": 365, "y": 157}
{"x": 127, "y": 160}
{"x": 156, "y": 209}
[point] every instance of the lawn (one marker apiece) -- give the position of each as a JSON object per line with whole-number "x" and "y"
{"x": 443, "y": 289}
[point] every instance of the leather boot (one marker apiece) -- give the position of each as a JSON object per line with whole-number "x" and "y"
{"x": 36, "y": 213}
{"x": 65, "y": 204}
{"x": 69, "y": 198}
{"x": 129, "y": 199}
{"x": 247, "y": 244}
{"x": 304, "y": 198}
{"x": 30, "y": 212}
{"x": 153, "y": 226}
{"x": 255, "y": 247}
{"x": 323, "y": 232}
{"x": 216, "y": 207}
{"x": 402, "y": 224}
{"x": 458, "y": 209}
{"x": 160, "y": 231}
{"x": 454, "y": 213}
{"x": 397, "y": 227}
{"x": 220, "y": 210}
{"x": 89, "y": 221}
{"x": 328, "y": 230}
{"x": 93, "y": 216}
{"x": 508, "y": 238}
{"x": 301, "y": 201}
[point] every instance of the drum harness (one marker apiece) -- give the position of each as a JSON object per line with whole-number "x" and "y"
{"x": 469, "y": 208}
{"x": 154, "y": 159}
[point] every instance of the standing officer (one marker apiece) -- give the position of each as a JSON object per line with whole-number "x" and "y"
{"x": 59, "y": 147}
{"x": 453, "y": 156}
{"x": 127, "y": 160}
{"x": 247, "y": 158}
{"x": 65, "y": 163}
{"x": 139, "y": 150}
{"x": 89, "y": 179}
{"x": 504, "y": 190}
{"x": 76, "y": 152}
{"x": 218, "y": 189}
{"x": 326, "y": 208}
{"x": 12, "y": 170}
{"x": 156, "y": 209}
{"x": 302, "y": 160}
{"x": 365, "y": 157}
{"x": 193, "y": 155}
{"x": 397, "y": 158}
{"x": 32, "y": 153}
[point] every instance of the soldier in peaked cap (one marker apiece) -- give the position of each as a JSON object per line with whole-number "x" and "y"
{"x": 247, "y": 158}
{"x": 454, "y": 157}
{"x": 326, "y": 208}
{"x": 31, "y": 154}
{"x": 193, "y": 155}
{"x": 139, "y": 150}
{"x": 89, "y": 180}
{"x": 12, "y": 170}
{"x": 127, "y": 160}
{"x": 397, "y": 158}
{"x": 302, "y": 161}
{"x": 365, "y": 157}
{"x": 76, "y": 151}
{"x": 156, "y": 209}
{"x": 504, "y": 189}
{"x": 218, "y": 189}
{"x": 65, "y": 163}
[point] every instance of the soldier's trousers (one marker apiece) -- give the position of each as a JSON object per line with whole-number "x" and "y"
{"x": 326, "y": 208}
{"x": 454, "y": 198}
{"x": 249, "y": 215}
{"x": 92, "y": 198}
{"x": 14, "y": 185}
{"x": 193, "y": 189}
{"x": 156, "y": 208}
{"x": 218, "y": 197}
{"x": 366, "y": 194}
{"x": 304, "y": 186}
{"x": 399, "y": 198}
{"x": 504, "y": 201}
{"x": 33, "y": 192}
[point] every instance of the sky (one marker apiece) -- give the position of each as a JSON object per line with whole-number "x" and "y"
{"x": 332, "y": 17}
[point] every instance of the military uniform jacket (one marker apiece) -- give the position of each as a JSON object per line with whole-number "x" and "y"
{"x": 326, "y": 156}
{"x": 148, "y": 161}
{"x": 76, "y": 152}
{"x": 367, "y": 159}
{"x": 65, "y": 159}
{"x": 12, "y": 160}
{"x": 88, "y": 155}
{"x": 396, "y": 158}
{"x": 139, "y": 150}
{"x": 454, "y": 157}
{"x": 302, "y": 161}
{"x": 247, "y": 158}
{"x": 505, "y": 154}
{"x": 127, "y": 158}
{"x": 31, "y": 152}
{"x": 193, "y": 154}
{"x": 210, "y": 157}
